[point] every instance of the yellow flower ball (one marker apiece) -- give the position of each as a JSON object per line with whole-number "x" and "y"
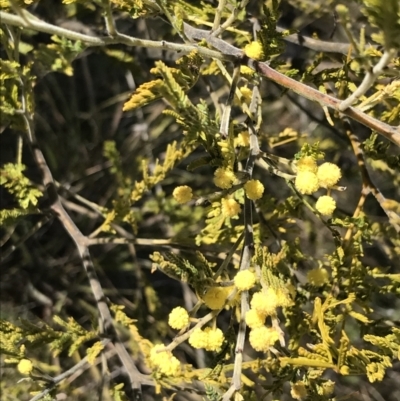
{"x": 25, "y": 366}
{"x": 307, "y": 163}
{"x": 265, "y": 302}
{"x": 306, "y": 182}
{"x": 198, "y": 339}
{"x": 254, "y": 50}
{"x": 224, "y": 178}
{"x": 182, "y": 194}
{"x": 244, "y": 280}
{"x": 298, "y": 390}
{"x": 254, "y": 189}
{"x": 318, "y": 277}
{"x": 215, "y": 338}
{"x": 229, "y": 207}
{"x": 328, "y": 175}
{"x": 262, "y": 338}
{"x": 164, "y": 361}
{"x": 254, "y": 319}
{"x": 326, "y": 205}
{"x": 178, "y": 318}
{"x": 215, "y": 297}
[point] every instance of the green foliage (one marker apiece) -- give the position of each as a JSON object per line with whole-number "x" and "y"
{"x": 138, "y": 251}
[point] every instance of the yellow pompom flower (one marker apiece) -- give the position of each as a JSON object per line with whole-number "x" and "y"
{"x": 25, "y": 366}
{"x": 229, "y": 207}
{"x": 254, "y": 50}
{"x": 298, "y": 390}
{"x": 306, "y": 182}
{"x": 328, "y": 175}
{"x": 178, "y": 318}
{"x": 262, "y": 338}
{"x": 326, "y": 205}
{"x": 164, "y": 361}
{"x": 224, "y": 178}
{"x": 254, "y": 319}
{"x": 215, "y": 297}
{"x": 243, "y": 139}
{"x": 215, "y": 338}
{"x": 254, "y": 189}
{"x": 198, "y": 339}
{"x": 244, "y": 280}
{"x": 307, "y": 163}
{"x": 182, "y": 194}
{"x": 265, "y": 302}
{"x": 318, "y": 277}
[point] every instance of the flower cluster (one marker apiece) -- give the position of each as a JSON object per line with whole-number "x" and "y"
{"x": 178, "y": 318}
{"x": 164, "y": 361}
{"x": 254, "y": 189}
{"x": 209, "y": 339}
{"x": 229, "y": 207}
{"x": 224, "y": 178}
{"x": 244, "y": 280}
{"x": 182, "y": 194}
{"x": 310, "y": 178}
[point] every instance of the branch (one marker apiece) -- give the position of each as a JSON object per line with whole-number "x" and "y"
{"x": 58, "y": 379}
{"x": 369, "y": 79}
{"x": 226, "y": 52}
{"x": 31, "y": 22}
{"x": 389, "y": 132}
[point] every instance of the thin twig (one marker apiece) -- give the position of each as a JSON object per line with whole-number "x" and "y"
{"x": 36, "y": 24}
{"x": 369, "y": 79}
{"x": 58, "y": 379}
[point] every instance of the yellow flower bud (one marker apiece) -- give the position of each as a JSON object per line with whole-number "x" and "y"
{"x": 178, "y": 318}
{"x": 229, "y": 207}
{"x": 215, "y": 338}
{"x": 224, "y": 178}
{"x": 182, "y": 194}
{"x": 262, "y": 338}
{"x": 198, "y": 339}
{"x": 254, "y": 319}
{"x": 164, "y": 361}
{"x": 307, "y": 163}
{"x": 215, "y": 297}
{"x": 328, "y": 175}
{"x": 244, "y": 280}
{"x": 254, "y": 189}
{"x": 326, "y": 205}
{"x": 25, "y": 366}
{"x": 254, "y": 50}
{"x": 306, "y": 182}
